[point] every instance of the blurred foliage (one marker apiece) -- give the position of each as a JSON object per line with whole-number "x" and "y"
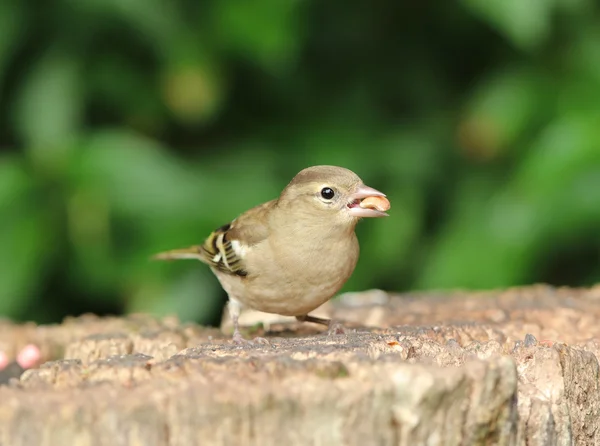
{"x": 130, "y": 127}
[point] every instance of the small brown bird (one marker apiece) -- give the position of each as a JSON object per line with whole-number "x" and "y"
{"x": 292, "y": 254}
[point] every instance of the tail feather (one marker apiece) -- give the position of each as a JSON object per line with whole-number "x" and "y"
{"x": 193, "y": 252}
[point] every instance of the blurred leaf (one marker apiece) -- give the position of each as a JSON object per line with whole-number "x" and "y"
{"x": 544, "y": 201}
{"x": 24, "y": 243}
{"x": 140, "y": 181}
{"x": 580, "y": 89}
{"x": 120, "y": 86}
{"x": 91, "y": 237}
{"x": 11, "y": 30}
{"x": 264, "y": 30}
{"x": 156, "y": 20}
{"x": 582, "y": 55}
{"x": 23, "y": 237}
{"x": 526, "y": 23}
{"x": 386, "y": 245}
{"x": 48, "y": 112}
{"x": 138, "y": 178}
{"x": 193, "y": 296}
{"x": 562, "y": 151}
{"x": 583, "y": 8}
{"x": 194, "y": 81}
{"x": 193, "y": 91}
{"x": 476, "y": 248}
{"x": 413, "y": 156}
{"x": 124, "y": 188}
{"x": 14, "y": 183}
{"x": 131, "y": 199}
{"x": 501, "y": 111}
{"x": 231, "y": 99}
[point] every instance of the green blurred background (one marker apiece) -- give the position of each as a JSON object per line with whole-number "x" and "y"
{"x": 134, "y": 126}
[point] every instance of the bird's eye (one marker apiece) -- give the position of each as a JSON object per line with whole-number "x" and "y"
{"x": 327, "y": 193}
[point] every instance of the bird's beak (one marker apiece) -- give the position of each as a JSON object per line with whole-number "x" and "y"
{"x": 368, "y": 202}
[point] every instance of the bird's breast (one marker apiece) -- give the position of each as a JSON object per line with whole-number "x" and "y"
{"x": 295, "y": 278}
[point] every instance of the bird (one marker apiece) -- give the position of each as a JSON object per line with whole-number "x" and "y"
{"x": 292, "y": 254}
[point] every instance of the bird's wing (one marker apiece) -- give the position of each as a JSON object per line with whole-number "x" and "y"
{"x": 226, "y": 247}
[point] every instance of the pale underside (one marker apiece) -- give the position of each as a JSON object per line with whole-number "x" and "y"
{"x": 279, "y": 284}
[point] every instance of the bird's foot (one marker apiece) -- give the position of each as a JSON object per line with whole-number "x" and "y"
{"x": 238, "y": 339}
{"x": 336, "y": 328}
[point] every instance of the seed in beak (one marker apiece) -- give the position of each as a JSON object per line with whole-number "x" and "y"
{"x": 381, "y": 204}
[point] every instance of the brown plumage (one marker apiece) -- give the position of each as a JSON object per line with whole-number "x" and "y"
{"x": 290, "y": 255}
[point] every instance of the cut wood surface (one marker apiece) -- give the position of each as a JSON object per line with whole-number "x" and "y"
{"x": 510, "y": 367}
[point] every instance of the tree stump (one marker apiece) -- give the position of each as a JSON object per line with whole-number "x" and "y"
{"x": 509, "y": 367}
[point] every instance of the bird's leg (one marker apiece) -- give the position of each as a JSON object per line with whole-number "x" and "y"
{"x": 234, "y": 312}
{"x": 234, "y": 308}
{"x": 313, "y": 319}
{"x": 334, "y": 327}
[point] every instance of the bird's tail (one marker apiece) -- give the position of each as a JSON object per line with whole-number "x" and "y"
{"x": 193, "y": 252}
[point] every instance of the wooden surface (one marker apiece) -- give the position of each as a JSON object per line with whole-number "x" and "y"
{"x": 506, "y": 367}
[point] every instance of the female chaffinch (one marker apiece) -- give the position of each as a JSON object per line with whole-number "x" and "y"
{"x": 290, "y": 255}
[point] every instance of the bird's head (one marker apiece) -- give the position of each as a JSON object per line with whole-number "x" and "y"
{"x": 335, "y": 193}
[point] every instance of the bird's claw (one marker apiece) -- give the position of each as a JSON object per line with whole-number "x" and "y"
{"x": 238, "y": 339}
{"x": 336, "y": 328}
